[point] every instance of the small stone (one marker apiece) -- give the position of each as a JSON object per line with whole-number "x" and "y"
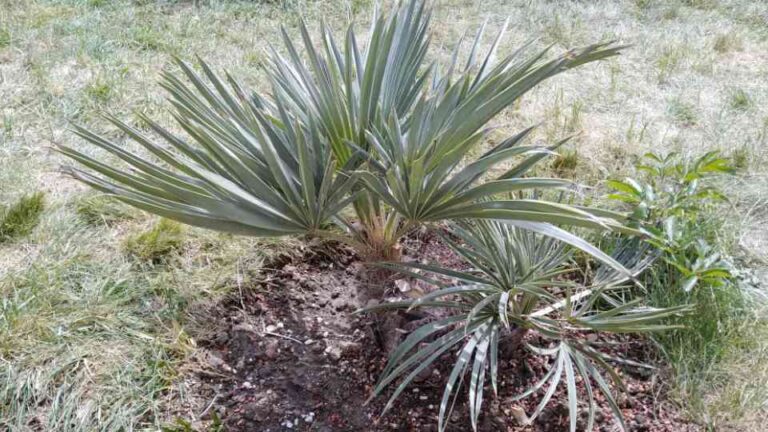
{"x": 272, "y": 350}
{"x": 424, "y": 375}
{"x": 402, "y": 285}
{"x": 336, "y": 349}
{"x": 625, "y": 402}
{"x": 221, "y": 337}
{"x": 340, "y": 304}
{"x": 218, "y": 363}
{"x": 244, "y": 327}
{"x": 215, "y": 361}
{"x": 333, "y": 351}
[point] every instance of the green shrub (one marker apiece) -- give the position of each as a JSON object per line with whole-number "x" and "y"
{"x": 164, "y": 238}
{"x": 676, "y": 201}
{"x": 673, "y": 202}
{"x": 21, "y": 218}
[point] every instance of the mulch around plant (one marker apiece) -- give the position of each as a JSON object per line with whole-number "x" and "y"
{"x": 289, "y": 354}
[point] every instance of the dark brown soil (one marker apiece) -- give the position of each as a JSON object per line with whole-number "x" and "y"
{"x": 290, "y": 355}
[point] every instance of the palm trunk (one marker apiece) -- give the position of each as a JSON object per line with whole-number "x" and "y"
{"x": 511, "y": 339}
{"x": 373, "y": 283}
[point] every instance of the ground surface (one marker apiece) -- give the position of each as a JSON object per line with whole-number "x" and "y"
{"x": 288, "y": 355}
{"x": 92, "y": 338}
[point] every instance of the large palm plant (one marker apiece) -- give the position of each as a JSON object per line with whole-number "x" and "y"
{"x": 377, "y": 130}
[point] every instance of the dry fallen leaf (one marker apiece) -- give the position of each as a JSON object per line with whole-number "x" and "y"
{"x": 519, "y": 414}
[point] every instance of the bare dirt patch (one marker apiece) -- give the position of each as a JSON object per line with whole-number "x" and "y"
{"x": 290, "y": 354}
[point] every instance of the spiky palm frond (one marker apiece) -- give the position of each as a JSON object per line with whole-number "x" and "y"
{"x": 515, "y": 282}
{"x": 247, "y": 170}
{"x": 346, "y": 90}
{"x": 418, "y": 152}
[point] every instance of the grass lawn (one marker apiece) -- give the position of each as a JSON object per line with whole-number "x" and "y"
{"x": 97, "y": 322}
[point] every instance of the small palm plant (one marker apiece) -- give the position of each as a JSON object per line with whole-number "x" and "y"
{"x": 367, "y": 144}
{"x": 516, "y": 285}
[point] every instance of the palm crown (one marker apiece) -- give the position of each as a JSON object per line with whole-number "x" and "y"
{"x": 376, "y": 128}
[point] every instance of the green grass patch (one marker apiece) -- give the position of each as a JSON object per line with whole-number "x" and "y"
{"x": 701, "y": 4}
{"x": 99, "y": 90}
{"x": 150, "y": 39}
{"x": 668, "y": 63}
{"x": 79, "y": 350}
{"x": 740, "y": 100}
{"x": 643, "y": 4}
{"x": 708, "y": 331}
{"x": 89, "y": 341}
{"x": 726, "y": 42}
{"x": 5, "y": 37}
{"x": 683, "y": 113}
{"x": 565, "y": 162}
{"x": 156, "y": 244}
{"x": 21, "y": 218}
{"x": 103, "y": 210}
{"x": 740, "y": 157}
